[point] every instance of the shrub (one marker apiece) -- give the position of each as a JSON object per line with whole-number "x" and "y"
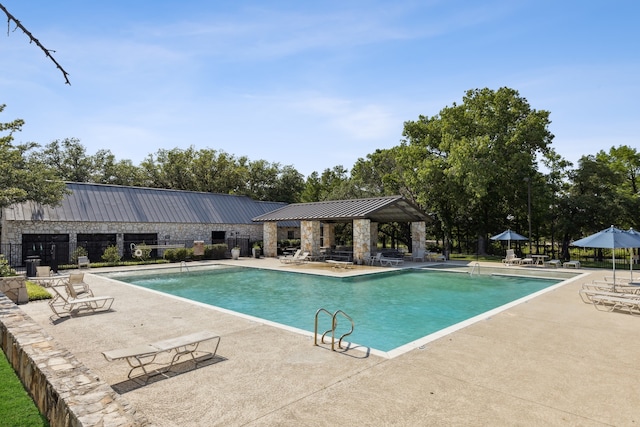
{"x": 5, "y": 268}
{"x": 179, "y": 254}
{"x": 111, "y": 255}
{"x": 217, "y": 251}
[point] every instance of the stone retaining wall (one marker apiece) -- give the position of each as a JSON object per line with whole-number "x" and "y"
{"x": 15, "y": 288}
{"x": 64, "y": 390}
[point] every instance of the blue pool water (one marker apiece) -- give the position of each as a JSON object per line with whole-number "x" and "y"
{"x": 389, "y": 309}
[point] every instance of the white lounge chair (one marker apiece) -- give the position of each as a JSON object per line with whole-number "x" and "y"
{"x": 304, "y": 258}
{"x": 43, "y": 275}
{"x": 83, "y": 262}
{"x": 435, "y": 256}
{"x": 81, "y": 289}
{"x": 511, "y": 258}
{"x": 375, "y": 259}
{"x": 419, "y": 255}
{"x": 288, "y": 259}
{"x": 553, "y": 263}
{"x": 388, "y": 261}
{"x": 614, "y": 301}
{"x": 573, "y": 264}
{"x": 587, "y": 294}
{"x": 64, "y": 305}
{"x": 141, "y": 356}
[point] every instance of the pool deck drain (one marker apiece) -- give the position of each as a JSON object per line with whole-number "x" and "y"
{"x": 552, "y": 360}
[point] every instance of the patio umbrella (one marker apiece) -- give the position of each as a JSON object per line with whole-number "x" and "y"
{"x": 509, "y": 236}
{"x": 610, "y": 238}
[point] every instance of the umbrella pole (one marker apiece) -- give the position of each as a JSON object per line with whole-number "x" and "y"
{"x": 613, "y": 251}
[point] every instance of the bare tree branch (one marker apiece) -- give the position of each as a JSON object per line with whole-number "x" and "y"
{"x": 32, "y": 39}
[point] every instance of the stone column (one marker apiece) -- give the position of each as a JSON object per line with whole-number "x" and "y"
{"x": 373, "y": 246}
{"x": 329, "y": 234}
{"x": 310, "y": 237}
{"x": 361, "y": 240}
{"x": 270, "y": 239}
{"x": 120, "y": 243}
{"x": 418, "y": 237}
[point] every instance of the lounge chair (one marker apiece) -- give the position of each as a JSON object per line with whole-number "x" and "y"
{"x": 553, "y": 263}
{"x": 587, "y": 294}
{"x": 573, "y": 264}
{"x": 388, "y": 261}
{"x": 526, "y": 261}
{"x": 418, "y": 256}
{"x": 288, "y": 259}
{"x": 603, "y": 286}
{"x": 304, "y": 258}
{"x": 62, "y": 304}
{"x": 375, "y": 259}
{"x": 83, "y": 262}
{"x": 340, "y": 264}
{"x": 81, "y": 289}
{"x": 511, "y": 258}
{"x": 141, "y": 356}
{"x": 435, "y": 256}
{"x": 614, "y": 301}
{"x": 44, "y": 276}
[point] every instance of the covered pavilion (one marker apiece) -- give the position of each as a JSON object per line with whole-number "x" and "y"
{"x": 365, "y": 215}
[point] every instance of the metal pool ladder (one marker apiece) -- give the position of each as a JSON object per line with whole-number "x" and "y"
{"x": 183, "y": 265}
{"x": 334, "y": 325}
{"x": 475, "y": 268}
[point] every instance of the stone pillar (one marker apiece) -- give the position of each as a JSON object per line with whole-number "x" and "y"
{"x": 361, "y": 240}
{"x": 310, "y": 237}
{"x": 270, "y": 239}
{"x": 373, "y": 246}
{"x": 418, "y": 237}
{"x": 120, "y": 243}
{"x": 329, "y": 234}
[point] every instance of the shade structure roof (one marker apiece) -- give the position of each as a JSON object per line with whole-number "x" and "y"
{"x": 376, "y": 209}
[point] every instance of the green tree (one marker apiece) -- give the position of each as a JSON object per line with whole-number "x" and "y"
{"x": 22, "y": 177}
{"x": 472, "y": 161}
{"x": 108, "y": 170}
{"x": 69, "y": 158}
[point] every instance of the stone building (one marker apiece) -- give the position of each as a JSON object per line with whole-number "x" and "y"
{"x": 95, "y": 216}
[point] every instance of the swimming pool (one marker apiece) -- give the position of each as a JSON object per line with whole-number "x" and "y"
{"x": 389, "y": 309}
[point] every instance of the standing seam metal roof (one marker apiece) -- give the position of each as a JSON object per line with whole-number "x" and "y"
{"x": 113, "y": 203}
{"x": 377, "y": 209}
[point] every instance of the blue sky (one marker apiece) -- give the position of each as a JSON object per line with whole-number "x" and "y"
{"x": 312, "y": 84}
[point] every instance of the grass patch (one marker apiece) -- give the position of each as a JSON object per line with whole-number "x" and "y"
{"x": 16, "y": 406}
{"x": 37, "y": 292}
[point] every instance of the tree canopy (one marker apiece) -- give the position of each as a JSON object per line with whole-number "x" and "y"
{"x": 23, "y": 178}
{"x": 476, "y": 168}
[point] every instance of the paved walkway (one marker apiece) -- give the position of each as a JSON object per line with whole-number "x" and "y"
{"x": 551, "y": 361}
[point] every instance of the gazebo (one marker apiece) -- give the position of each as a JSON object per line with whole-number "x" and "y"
{"x": 365, "y": 215}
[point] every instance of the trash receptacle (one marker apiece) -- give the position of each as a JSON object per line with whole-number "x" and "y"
{"x": 32, "y": 263}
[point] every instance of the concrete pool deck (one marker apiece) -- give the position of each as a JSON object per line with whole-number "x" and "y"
{"x": 553, "y": 360}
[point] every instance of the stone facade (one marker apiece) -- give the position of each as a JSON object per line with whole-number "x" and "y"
{"x": 12, "y": 231}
